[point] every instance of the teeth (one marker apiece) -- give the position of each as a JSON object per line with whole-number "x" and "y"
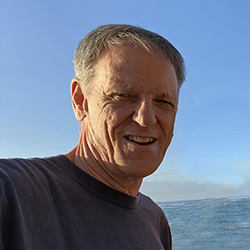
{"x": 140, "y": 139}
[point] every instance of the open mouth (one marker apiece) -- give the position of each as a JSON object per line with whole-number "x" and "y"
{"x": 140, "y": 140}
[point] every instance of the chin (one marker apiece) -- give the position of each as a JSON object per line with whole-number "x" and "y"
{"x": 139, "y": 169}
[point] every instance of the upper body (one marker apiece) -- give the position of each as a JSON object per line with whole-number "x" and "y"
{"x": 52, "y": 204}
{"x": 125, "y": 94}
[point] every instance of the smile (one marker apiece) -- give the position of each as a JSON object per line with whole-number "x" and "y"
{"x": 140, "y": 140}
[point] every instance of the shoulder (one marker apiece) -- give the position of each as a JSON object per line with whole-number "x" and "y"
{"x": 149, "y": 204}
{"x": 19, "y": 172}
{"x": 159, "y": 218}
{"x": 154, "y": 210}
{"x": 23, "y": 181}
{"x": 15, "y": 166}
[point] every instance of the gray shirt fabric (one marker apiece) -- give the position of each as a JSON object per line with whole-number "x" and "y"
{"x": 50, "y": 203}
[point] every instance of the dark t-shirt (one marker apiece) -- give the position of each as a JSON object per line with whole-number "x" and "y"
{"x": 50, "y": 203}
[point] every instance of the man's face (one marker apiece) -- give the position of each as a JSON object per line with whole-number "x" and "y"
{"x": 131, "y": 110}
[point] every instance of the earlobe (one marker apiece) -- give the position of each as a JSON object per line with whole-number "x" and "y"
{"x": 77, "y": 99}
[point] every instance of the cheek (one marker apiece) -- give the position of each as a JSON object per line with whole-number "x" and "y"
{"x": 167, "y": 125}
{"x": 112, "y": 127}
{"x": 107, "y": 122}
{"x": 116, "y": 118}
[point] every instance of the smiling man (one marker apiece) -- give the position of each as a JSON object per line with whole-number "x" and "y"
{"x": 125, "y": 94}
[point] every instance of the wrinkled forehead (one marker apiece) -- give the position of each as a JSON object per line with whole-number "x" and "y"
{"x": 127, "y": 50}
{"x": 131, "y": 67}
{"x": 132, "y": 58}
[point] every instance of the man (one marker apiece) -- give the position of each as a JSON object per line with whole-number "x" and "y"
{"x": 125, "y": 94}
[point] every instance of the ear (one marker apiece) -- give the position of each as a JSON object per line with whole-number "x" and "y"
{"x": 78, "y": 99}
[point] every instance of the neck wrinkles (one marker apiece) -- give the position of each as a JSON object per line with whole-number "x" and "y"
{"x": 89, "y": 160}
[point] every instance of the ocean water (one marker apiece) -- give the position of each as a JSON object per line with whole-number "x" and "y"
{"x": 222, "y": 223}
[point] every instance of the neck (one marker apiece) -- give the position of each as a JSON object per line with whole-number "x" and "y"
{"x": 91, "y": 163}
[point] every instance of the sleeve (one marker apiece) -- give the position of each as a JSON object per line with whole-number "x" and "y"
{"x": 10, "y": 212}
{"x": 165, "y": 233}
{"x": 164, "y": 230}
{"x": 5, "y": 209}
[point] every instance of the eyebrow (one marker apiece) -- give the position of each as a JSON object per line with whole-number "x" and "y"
{"x": 121, "y": 84}
{"x": 166, "y": 94}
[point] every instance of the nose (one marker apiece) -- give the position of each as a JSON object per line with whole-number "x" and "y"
{"x": 144, "y": 114}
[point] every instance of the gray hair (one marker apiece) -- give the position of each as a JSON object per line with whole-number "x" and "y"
{"x": 108, "y": 36}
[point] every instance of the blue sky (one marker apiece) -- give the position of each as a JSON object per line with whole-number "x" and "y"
{"x": 210, "y": 153}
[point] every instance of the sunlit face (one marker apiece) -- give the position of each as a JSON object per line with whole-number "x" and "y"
{"x": 131, "y": 110}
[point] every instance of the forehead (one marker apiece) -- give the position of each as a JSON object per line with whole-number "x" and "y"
{"x": 129, "y": 67}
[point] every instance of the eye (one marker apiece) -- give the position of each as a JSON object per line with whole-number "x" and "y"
{"x": 119, "y": 96}
{"x": 163, "y": 101}
{"x": 165, "y": 104}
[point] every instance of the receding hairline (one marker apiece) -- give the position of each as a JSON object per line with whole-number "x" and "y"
{"x": 115, "y": 35}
